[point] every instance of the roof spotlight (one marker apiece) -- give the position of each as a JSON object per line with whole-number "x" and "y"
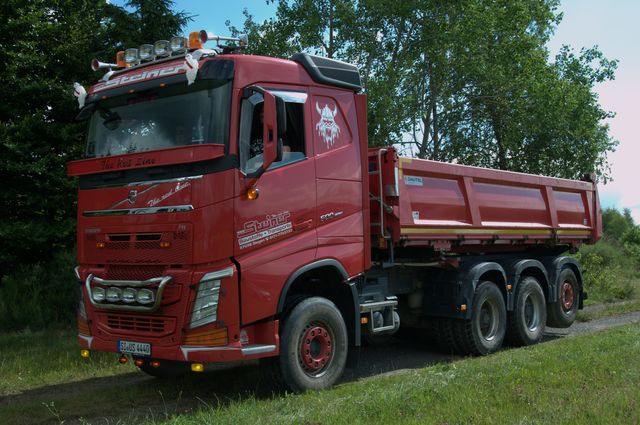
{"x": 162, "y": 48}
{"x": 146, "y": 52}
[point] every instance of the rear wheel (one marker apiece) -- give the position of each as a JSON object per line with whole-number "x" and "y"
{"x": 525, "y": 325}
{"x": 563, "y": 312}
{"x": 485, "y": 331}
{"x": 313, "y": 350}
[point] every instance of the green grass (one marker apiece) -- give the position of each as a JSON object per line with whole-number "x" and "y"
{"x": 583, "y": 380}
{"x": 587, "y": 379}
{"x": 30, "y": 360}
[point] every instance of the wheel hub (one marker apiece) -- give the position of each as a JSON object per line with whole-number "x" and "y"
{"x": 567, "y": 295}
{"x": 316, "y": 348}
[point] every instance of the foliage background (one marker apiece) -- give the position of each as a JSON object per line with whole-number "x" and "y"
{"x": 469, "y": 81}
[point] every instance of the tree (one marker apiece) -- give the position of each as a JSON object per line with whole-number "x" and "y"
{"x": 45, "y": 47}
{"x": 468, "y": 81}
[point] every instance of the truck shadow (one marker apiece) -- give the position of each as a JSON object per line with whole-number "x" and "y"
{"x": 132, "y": 397}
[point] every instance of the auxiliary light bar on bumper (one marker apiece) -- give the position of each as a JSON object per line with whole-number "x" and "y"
{"x": 138, "y": 290}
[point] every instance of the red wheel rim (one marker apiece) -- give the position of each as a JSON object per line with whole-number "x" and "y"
{"x": 567, "y": 295}
{"x": 316, "y": 348}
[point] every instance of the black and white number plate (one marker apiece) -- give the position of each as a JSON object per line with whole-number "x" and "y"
{"x": 136, "y": 348}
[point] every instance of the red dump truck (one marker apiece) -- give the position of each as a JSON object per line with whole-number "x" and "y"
{"x": 229, "y": 208}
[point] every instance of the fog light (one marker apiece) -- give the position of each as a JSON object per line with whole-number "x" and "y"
{"x": 145, "y": 296}
{"x": 197, "y": 367}
{"x": 114, "y": 294}
{"x": 129, "y": 295}
{"x": 139, "y": 362}
{"x": 123, "y": 359}
{"x": 155, "y": 364}
{"x": 85, "y": 354}
{"x": 97, "y": 294}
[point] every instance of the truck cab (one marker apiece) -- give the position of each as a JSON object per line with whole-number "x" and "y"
{"x": 203, "y": 204}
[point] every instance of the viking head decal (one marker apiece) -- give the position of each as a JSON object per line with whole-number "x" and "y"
{"x": 327, "y": 127}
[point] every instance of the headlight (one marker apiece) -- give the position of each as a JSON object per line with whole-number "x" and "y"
{"x": 145, "y": 296}
{"x": 129, "y": 295}
{"x": 205, "y": 307}
{"x": 98, "y": 294}
{"x": 82, "y": 311}
{"x": 114, "y": 294}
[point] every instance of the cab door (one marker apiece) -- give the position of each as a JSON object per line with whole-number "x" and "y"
{"x": 275, "y": 233}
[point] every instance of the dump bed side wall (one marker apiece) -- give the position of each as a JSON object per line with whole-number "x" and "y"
{"x": 440, "y": 201}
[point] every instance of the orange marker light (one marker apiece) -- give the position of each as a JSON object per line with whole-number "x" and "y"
{"x": 165, "y": 244}
{"x": 463, "y": 307}
{"x": 197, "y": 367}
{"x": 100, "y": 245}
{"x": 85, "y": 354}
{"x": 194, "y": 40}
{"x": 509, "y": 287}
{"x": 120, "y": 59}
{"x": 364, "y": 320}
{"x": 253, "y": 193}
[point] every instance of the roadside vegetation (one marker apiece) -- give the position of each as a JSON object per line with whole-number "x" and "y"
{"x": 580, "y": 380}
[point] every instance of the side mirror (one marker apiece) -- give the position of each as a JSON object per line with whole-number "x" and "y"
{"x": 274, "y": 125}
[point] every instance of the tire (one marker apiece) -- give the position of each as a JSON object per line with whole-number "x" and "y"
{"x": 167, "y": 369}
{"x": 526, "y": 324}
{"x": 314, "y": 344}
{"x": 562, "y": 313}
{"x": 485, "y": 331}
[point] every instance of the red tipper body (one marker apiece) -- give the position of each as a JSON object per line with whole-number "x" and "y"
{"x": 208, "y": 213}
{"x": 470, "y": 209}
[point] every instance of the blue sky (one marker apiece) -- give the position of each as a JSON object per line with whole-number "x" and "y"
{"x": 612, "y": 25}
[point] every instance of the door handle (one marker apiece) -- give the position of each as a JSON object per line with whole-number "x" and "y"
{"x": 303, "y": 224}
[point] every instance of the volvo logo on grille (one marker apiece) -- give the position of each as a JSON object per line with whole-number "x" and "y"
{"x": 133, "y": 195}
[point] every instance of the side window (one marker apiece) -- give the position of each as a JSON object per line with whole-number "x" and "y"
{"x": 293, "y": 143}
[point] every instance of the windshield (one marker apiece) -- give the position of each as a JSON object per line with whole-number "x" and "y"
{"x": 172, "y": 116}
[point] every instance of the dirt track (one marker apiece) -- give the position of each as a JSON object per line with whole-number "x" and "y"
{"x": 232, "y": 382}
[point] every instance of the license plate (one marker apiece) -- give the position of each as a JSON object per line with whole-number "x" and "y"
{"x": 136, "y": 348}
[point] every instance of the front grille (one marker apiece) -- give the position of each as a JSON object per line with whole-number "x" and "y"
{"x": 123, "y": 272}
{"x": 142, "y": 324}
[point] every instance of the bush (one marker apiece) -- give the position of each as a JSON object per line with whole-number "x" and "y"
{"x": 40, "y": 296}
{"x": 609, "y": 273}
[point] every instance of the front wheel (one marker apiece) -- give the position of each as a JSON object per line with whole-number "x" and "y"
{"x": 314, "y": 344}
